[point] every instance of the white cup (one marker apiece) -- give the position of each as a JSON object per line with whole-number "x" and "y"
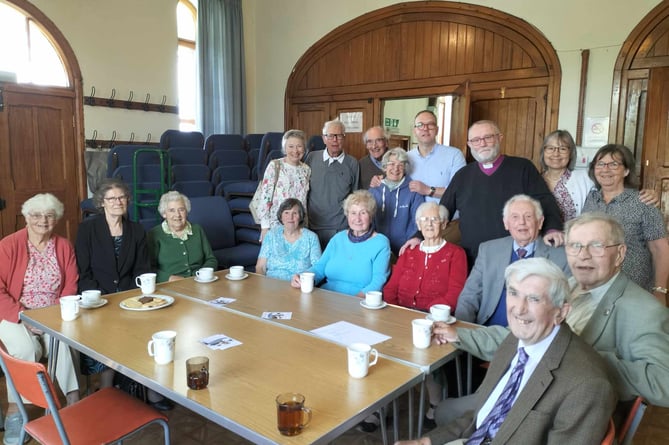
{"x": 161, "y": 347}
{"x": 307, "y": 282}
{"x": 205, "y": 274}
{"x": 440, "y": 312}
{"x": 69, "y": 307}
{"x": 237, "y": 271}
{"x": 358, "y": 359}
{"x": 147, "y": 281}
{"x": 90, "y": 297}
{"x": 422, "y": 333}
{"x": 373, "y": 298}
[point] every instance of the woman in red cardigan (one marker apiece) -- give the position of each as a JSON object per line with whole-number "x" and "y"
{"x": 433, "y": 273}
{"x": 36, "y": 269}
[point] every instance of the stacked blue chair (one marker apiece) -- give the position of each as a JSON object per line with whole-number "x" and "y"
{"x": 221, "y": 158}
{"x": 216, "y": 142}
{"x": 190, "y": 172}
{"x": 270, "y": 142}
{"x": 194, "y": 189}
{"x": 315, "y": 143}
{"x": 213, "y": 214}
{"x": 253, "y": 141}
{"x": 228, "y": 174}
{"x": 187, "y": 155}
{"x": 176, "y": 138}
{"x": 123, "y": 155}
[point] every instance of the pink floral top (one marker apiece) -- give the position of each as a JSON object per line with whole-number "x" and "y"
{"x": 563, "y": 197}
{"x": 42, "y": 278}
{"x": 280, "y": 182}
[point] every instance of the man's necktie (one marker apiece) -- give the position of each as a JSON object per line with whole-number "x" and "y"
{"x": 502, "y": 406}
{"x": 521, "y": 253}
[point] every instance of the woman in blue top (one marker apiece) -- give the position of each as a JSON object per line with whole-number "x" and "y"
{"x": 355, "y": 261}
{"x": 289, "y": 247}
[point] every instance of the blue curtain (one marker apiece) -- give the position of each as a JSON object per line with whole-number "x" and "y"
{"x": 220, "y": 52}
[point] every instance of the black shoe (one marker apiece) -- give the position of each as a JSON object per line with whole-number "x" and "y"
{"x": 428, "y": 424}
{"x": 367, "y": 427}
{"x": 163, "y": 404}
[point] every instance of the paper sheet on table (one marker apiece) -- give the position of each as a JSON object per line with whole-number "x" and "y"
{"x": 346, "y": 333}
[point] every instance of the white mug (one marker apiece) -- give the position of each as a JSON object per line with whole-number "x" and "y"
{"x": 373, "y": 298}
{"x": 146, "y": 281}
{"x": 205, "y": 274}
{"x": 91, "y": 297}
{"x": 161, "y": 347}
{"x": 422, "y": 333}
{"x": 69, "y": 307}
{"x": 358, "y": 359}
{"x": 440, "y": 312}
{"x": 307, "y": 282}
{"x": 236, "y": 271}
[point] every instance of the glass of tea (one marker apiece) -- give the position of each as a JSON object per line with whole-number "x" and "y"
{"x": 292, "y": 415}
{"x": 197, "y": 372}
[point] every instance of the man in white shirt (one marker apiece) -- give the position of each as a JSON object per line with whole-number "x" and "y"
{"x": 541, "y": 367}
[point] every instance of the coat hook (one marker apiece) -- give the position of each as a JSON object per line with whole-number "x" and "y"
{"x": 146, "y": 102}
{"x": 110, "y": 101}
{"x": 94, "y": 138}
{"x": 162, "y": 104}
{"x": 128, "y": 103}
{"x": 148, "y": 138}
{"x": 113, "y": 138}
{"x": 132, "y": 137}
{"x": 91, "y": 99}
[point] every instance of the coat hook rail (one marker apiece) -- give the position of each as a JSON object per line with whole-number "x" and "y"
{"x": 130, "y": 104}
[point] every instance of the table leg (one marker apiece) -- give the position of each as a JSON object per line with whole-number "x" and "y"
{"x": 396, "y": 420}
{"x": 411, "y": 413}
{"x": 469, "y": 373}
{"x": 53, "y": 356}
{"x": 458, "y": 373}
{"x": 384, "y": 430}
{"x": 421, "y": 409}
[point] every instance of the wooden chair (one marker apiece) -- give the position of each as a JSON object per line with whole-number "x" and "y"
{"x": 632, "y": 421}
{"x": 610, "y": 434}
{"x": 107, "y": 416}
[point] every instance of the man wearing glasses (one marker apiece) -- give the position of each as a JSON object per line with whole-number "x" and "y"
{"x": 376, "y": 142}
{"x": 627, "y": 325}
{"x": 479, "y": 190}
{"x": 432, "y": 165}
{"x": 334, "y": 176}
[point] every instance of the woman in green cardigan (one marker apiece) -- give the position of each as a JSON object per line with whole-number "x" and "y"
{"x": 178, "y": 248}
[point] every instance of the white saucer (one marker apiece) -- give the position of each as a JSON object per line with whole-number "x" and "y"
{"x": 381, "y": 306}
{"x": 100, "y": 303}
{"x": 237, "y": 278}
{"x": 449, "y": 320}
{"x": 197, "y": 280}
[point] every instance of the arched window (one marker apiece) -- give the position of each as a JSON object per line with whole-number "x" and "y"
{"x": 187, "y": 64}
{"x": 31, "y": 57}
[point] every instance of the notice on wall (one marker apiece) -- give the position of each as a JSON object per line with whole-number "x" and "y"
{"x": 595, "y": 131}
{"x": 352, "y": 121}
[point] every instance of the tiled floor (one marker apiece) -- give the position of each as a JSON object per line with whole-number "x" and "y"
{"x": 188, "y": 428}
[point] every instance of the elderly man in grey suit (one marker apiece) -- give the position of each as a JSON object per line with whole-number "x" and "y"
{"x": 482, "y": 299}
{"x": 623, "y": 322}
{"x": 545, "y": 385}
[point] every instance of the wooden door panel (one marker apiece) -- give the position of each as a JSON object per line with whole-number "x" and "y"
{"x": 38, "y": 150}
{"x": 309, "y": 118}
{"x": 460, "y": 112}
{"x": 519, "y": 113}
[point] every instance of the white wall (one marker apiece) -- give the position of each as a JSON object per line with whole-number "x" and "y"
{"x": 285, "y": 29}
{"x": 126, "y": 45}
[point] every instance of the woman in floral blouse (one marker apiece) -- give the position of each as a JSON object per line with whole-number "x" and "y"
{"x": 284, "y": 178}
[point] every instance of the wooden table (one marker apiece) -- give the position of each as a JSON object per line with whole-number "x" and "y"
{"x": 244, "y": 380}
{"x": 257, "y": 294}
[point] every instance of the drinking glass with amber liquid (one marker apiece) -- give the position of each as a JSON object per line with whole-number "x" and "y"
{"x": 197, "y": 372}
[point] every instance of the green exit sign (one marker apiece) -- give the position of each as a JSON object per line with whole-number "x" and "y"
{"x": 391, "y": 123}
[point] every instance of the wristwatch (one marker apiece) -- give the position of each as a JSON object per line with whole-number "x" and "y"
{"x": 432, "y": 190}
{"x": 660, "y": 289}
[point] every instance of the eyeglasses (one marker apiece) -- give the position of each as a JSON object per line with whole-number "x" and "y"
{"x": 333, "y": 136}
{"x": 425, "y": 125}
{"x": 429, "y": 219}
{"x": 375, "y": 141}
{"x": 47, "y": 216}
{"x": 116, "y": 198}
{"x": 595, "y": 248}
{"x": 551, "y": 149}
{"x": 613, "y": 165}
{"x": 487, "y": 138}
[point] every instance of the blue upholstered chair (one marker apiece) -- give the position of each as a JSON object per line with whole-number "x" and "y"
{"x": 176, "y": 138}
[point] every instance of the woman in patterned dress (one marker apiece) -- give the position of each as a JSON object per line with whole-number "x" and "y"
{"x": 289, "y": 247}
{"x": 284, "y": 178}
{"x": 37, "y": 267}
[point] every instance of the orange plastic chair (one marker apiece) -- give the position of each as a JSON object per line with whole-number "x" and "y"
{"x": 107, "y": 416}
{"x": 632, "y": 421}
{"x": 610, "y": 434}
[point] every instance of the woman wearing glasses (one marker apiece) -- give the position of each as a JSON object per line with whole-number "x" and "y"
{"x": 647, "y": 258}
{"x": 37, "y": 267}
{"x": 570, "y": 187}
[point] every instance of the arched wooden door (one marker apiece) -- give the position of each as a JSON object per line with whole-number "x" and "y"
{"x": 41, "y": 140}
{"x": 640, "y": 100}
{"x": 419, "y": 49}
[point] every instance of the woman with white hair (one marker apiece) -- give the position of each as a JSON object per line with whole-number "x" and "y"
{"x": 396, "y": 204}
{"x": 178, "y": 248}
{"x": 37, "y": 267}
{"x": 284, "y": 178}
